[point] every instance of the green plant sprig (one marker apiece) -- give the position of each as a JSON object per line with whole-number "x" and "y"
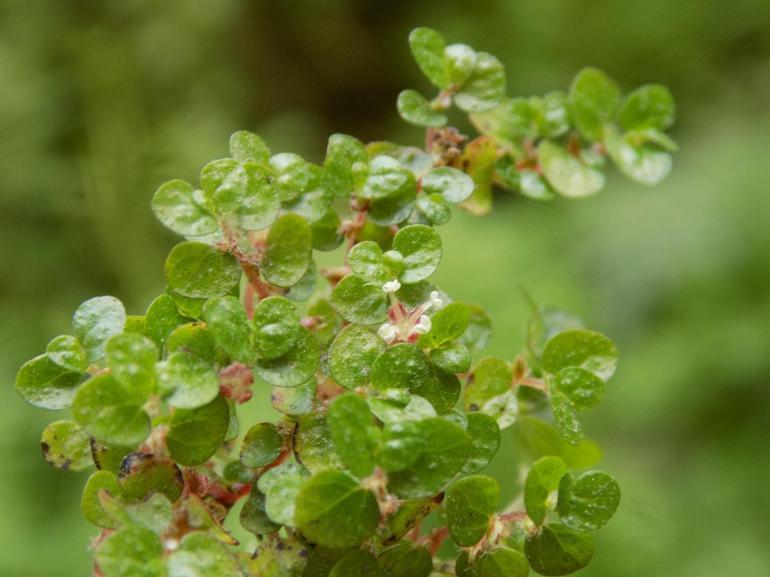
{"x": 388, "y": 410}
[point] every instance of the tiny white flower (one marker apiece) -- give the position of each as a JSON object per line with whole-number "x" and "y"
{"x": 172, "y": 544}
{"x": 423, "y": 326}
{"x": 391, "y": 286}
{"x": 387, "y": 333}
{"x": 436, "y": 300}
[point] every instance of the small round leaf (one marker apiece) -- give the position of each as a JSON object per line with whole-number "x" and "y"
{"x": 198, "y": 270}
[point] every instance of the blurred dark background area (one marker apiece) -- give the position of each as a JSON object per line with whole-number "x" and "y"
{"x": 103, "y": 101}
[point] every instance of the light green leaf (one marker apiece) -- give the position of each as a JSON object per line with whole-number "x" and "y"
{"x": 359, "y": 302}
{"x": 641, "y": 163}
{"x": 111, "y": 412}
{"x": 452, "y": 184}
{"x": 588, "y": 502}
{"x": 536, "y": 438}
{"x": 66, "y": 446}
{"x": 198, "y": 270}
{"x": 470, "y": 503}
{"x": 281, "y": 485}
{"x": 427, "y": 47}
{"x": 131, "y": 358}
{"x": 568, "y": 175}
{"x": 485, "y": 87}
{"x": 288, "y": 250}
{"x": 261, "y": 446}
{"x": 343, "y": 152}
{"x": 294, "y": 367}
{"x": 247, "y": 195}
{"x": 409, "y": 513}
{"x": 352, "y": 355}
{"x": 420, "y": 246}
{"x": 277, "y": 328}
{"x": 584, "y": 389}
{"x": 246, "y": 146}
{"x": 130, "y": 552}
{"x": 556, "y": 550}
{"x": 565, "y": 418}
{"x": 541, "y": 487}
{"x": 479, "y": 330}
{"x": 142, "y": 475}
{"x": 227, "y": 321}
{"x": 253, "y": 517}
{"x": 478, "y": 161}
{"x": 491, "y": 377}
{"x": 313, "y": 445}
{"x": 196, "y": 339}
{"x": 588, "y": 350}
{"x": 452, "y": 357}
{"x": 161, "y": 319}
{"x": 201, "y": 555}
{"x": 649, "y": 106}
{"x": 183, "y": 209}
{"x": 333, "y": 511}
{"x": 43, "y": 383}
{"x": 195, "y": 434}
{"x": 366, "y": 260}
{"x": 295, "y": 401}
{"x": 95, "y": 321}
{"x": 593, "y": 101}
{"x": 433, "y": 209}
{"x": 91, "y": 506}
{"x": 448, "y": 323}
{"x": 326, "y": 231}
{"x": 416, "y": 109}
{"x": 350, "y": 424}
{"x": 67, "y": 352}
{"x": 460, "y": 62}
{"x": 187, "y": 381}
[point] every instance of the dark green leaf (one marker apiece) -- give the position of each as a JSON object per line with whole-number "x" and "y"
{"x": 253, "y": 517}
{"x": 196, "y": 339}
{"x": 357, "y": 562}
{"x": 142, "y": 475}
{"x": 350, "y": 423}
{"x": 452, "y": 357}
{"x": 405, "y": 560}
{"x": 491, "y": 377}
{"x": 470, "y": 503}
{"x": 161, "y": 319}
{"x": 409, "y": 513}
{"x": 501, "y": 562}
{"x": 485, "y": 441}
{"x": 565, "y": 418}
{"x": 359, "y": 302}
{"x": 261, "y": 446}
{"x": 420, "y": 246}
{"x": 449, "y": 323}
{"x": 440, "y": 451}
{"x": 581, "y": 348}
{"x": 198, "y": 270}
{"x": 277, "y": 327}
{"x": 588, "y": 502}
{"x": 294, "y": 367}
{"x": 326, "y": 231}
{"x": 195, "y": 434}
{"x": 556, "y": 550}
{"x": 333, "y": 511}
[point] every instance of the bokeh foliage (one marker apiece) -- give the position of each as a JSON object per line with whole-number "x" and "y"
{"x": 103, "y": 102}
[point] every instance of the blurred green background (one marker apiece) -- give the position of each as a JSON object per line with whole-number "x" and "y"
{"x": 102, "y": 101}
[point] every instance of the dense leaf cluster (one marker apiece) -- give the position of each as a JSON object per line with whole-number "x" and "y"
{"x": 389, "y": 410}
